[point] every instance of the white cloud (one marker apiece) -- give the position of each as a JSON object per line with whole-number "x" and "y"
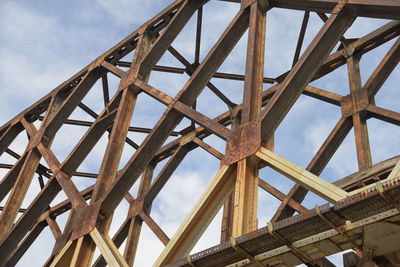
{"x": 43, "y": 44}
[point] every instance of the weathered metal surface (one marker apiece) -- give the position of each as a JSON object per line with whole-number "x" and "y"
{"x": 364, "y": 210}
{"x": 305, "y": 238}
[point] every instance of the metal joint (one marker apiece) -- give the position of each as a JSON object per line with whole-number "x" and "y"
{"x": 189, "y": 259}
{"x": 386, "y": 196}
{"x": 331, "y": 224}
{"x": 239, "y": 249}
{"x": 300, "y": 255}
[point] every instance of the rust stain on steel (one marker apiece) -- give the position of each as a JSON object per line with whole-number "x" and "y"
{"x": 243, "y": 142}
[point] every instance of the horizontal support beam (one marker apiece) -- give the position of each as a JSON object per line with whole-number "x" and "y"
{"x": 221, "y": 75}
{"x": 384, "y": 9}
{"x": 130, "y": 129}
{"x": 384, "y": 114}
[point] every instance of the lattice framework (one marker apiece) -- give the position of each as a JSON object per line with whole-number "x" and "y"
{"x": 249, "y": 141}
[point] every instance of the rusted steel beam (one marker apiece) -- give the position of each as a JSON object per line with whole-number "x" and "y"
{"x": 9, "y": 135}
{"x": 113, "y": 69}
{"x": 190, "y": 69}
{"x": 323, "y": 95}
{"x": 384, "y": 114}
{"x": 118, "y": 51}
{"x": 383, "y": 71}
{"x": 384, "y": 9}
{"x": 135, "y": 225}
{"x": 55, "y": 229}
{"x": 165, "y": 174}
{"x": 88, "y": 110}
{"x": 301, "y": 192}
{"x": 171, "y": 118}
{"x": 221, "y": 75}
{"x": 28, "y": 219}
{"x": 10, "y": 178}
{"x": 227, "y": 212}
{"x": 21, "y": 210}
{"x": 390, "y": 29}
{"x": 145, "y": 63}
{"x": 361, "y": 46}
{"x": 65, "y": 109}
{"x": 208, "y": 148}
{"x": 106, "y": 91}
{"x": 155, "y": 228}
{"x": 18, "y": 192}
{"x": 203, "y": 120}
{"x": 198, "y": 35}
{"x": 359, "y": 120}
{"x": 42, "y": 170}
{"x": 301, "y": 37}
{"x": 112, "y": 155}
{"x": 246, "y": 187}
{"x": 281, "y": 196}
{"x": 52, "y": 188}
{"x": 119, "y": 131}
{"x": 316, "y": 166}
{"x": 304, "y": 70}
{"x": 16, "y": 255}
{"x": 65, "y": 182}
{"x": 185, "y": 110}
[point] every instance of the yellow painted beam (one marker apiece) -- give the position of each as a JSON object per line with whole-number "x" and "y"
{"x": 200, "y": 217}
{"x": 108, "y": 249}
{"x": 65, "y": 255}
{"x": 308, "y": 180}
{"x": 395, "y": 173}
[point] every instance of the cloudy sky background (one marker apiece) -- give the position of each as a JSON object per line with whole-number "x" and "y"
{"x": 43, "y": 43}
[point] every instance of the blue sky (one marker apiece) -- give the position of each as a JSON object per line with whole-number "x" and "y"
{"x": 43, "y": 43}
